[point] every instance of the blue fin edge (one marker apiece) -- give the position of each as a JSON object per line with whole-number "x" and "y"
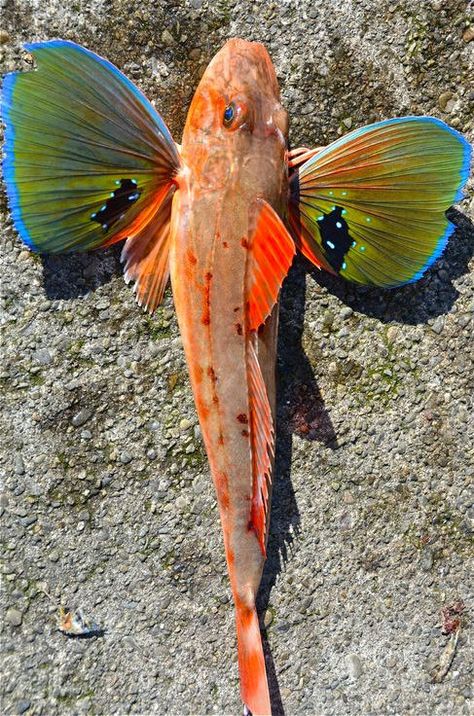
{"x": 8, "y": 163}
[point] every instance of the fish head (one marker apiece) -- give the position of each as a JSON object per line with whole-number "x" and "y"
{"x": 236, "y": 129}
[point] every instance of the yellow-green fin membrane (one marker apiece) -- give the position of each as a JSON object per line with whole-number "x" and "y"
{"x": 371, "y": 207}
{"x": 85, "y": 152}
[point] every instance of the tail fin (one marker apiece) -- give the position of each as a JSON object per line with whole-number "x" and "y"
{"x": 253, "y": 675}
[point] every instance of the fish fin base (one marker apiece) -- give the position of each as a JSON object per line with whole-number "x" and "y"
{"x": 145, "y": 254}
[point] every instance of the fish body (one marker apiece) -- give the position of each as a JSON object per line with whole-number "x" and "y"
{"x": 89, "y": 162}
{"x": 214, "y": 216}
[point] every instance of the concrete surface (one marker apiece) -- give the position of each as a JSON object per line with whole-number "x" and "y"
{"x": 106, "y": 499}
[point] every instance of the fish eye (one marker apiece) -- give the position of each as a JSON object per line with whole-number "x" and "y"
{"x": 229, "y": 114}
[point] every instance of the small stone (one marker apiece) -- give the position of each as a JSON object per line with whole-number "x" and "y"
{"x": 347, "y": 122}
{"x": 346, "y": 312}
{"x": 167, "y": 38}
{"x": 42, "y": 356}
{"x": 19, "y": 465}
{"x": 438, "y": 325}
{"x": 392, "y": 334}
{"x": 4, "y": 37}
{"x": 185, "y": 424}
{"x": 443, "y": 100}
{"x": 468, "y": 35}
{"x": 22, "y": 706}
{"x": 333, "y": 368}
{"x": 125, "y": 458}
{"x": 54, "y": 556}
{"x": 13, "y": 617}
{"x": 268, "y": 617}
{"x": 82, "y": 417}
{"x": 335, "y": 485}
{"x": 348, "y": 498}
{"x": 181, "y": 503}
{"x": 354, "y": 666}
{"x": 426, "y": 560}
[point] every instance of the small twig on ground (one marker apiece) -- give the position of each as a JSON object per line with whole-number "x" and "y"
{"x": 438, "y": 674}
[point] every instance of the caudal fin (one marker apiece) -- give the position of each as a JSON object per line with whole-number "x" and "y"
{"x": 253, "y": 675}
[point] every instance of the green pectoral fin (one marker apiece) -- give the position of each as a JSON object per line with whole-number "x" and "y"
{"x": 86, "y": 154}
{"x": 371, "y": 207}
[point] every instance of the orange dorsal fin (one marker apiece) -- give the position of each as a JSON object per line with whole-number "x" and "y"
{"x": 262, "y": 438}
{"x": 271, "y": 253}
{"x": 145, "y": 253}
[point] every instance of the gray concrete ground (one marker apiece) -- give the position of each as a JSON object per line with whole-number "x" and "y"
{"x": 106, "y": 498}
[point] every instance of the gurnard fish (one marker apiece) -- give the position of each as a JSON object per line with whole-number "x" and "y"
{"x": 89, "y": 162}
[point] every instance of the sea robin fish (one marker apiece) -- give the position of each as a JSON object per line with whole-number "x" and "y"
{"x": 89, "y": 162}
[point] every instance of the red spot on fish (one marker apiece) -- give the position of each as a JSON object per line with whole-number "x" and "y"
{"x": 242, "y": 418}
{"x": 212, "y": 374}
{"x": 215, "y": 399}
{"x": 245, "y": 433}
{"x": 244, "y": 243}
{"x": 220, "y": 439}
{"x": 206, "y": 314}
{"x": 222, "y": 488}
{"x": 236, "y": 309}
{"x": 225, "y": 244}
{"x": 191, "y": 257}
{"x": 238, "y": 328}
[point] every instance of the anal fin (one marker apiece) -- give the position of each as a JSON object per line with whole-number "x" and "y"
{"x": 262, "y": 436}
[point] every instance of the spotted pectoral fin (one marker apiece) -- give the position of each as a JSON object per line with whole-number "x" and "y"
{"x": 271, "y": 251}
{"x": 262, "y": 439}
{"x": 371, "y": 207}
{"x": 86, "y": 155}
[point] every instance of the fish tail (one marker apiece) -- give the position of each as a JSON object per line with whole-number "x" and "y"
{"x": 253, "y": 674}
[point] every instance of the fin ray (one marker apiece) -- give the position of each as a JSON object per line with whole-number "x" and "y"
{"x": 271, "y": 253}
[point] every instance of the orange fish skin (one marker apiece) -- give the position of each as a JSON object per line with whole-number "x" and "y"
{"x": 225, "y": 171}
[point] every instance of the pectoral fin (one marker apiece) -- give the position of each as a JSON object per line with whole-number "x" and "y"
{"x": 87, "y": 157}
{"x": 371, "y": 206}
{"x": 146, "y": 252}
